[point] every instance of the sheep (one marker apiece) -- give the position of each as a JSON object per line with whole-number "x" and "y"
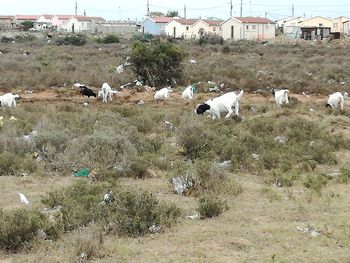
{"x": 188, "y": 93}
{"x": 221, "y": 104}
{"x": 281, "y": 96}
{"x": 336, "y": 99}
{"x": 105, "y": 92}
{"x": 8, "y": 100}
{"x": 163, "y": 94}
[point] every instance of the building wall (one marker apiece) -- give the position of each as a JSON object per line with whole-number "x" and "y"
{"x": 346, "y": 28}
{"x": 292, "y": 23}
{"x": 237, "y": 29}
{"x": 79, "y": 26}
{"x": 258, "y": 31}
{"x": 337, "y": 25}
{"x": 180, "y": 30}
{"x": 317, "y": 21}
{"x": 116, "y": 28}
{"x": 197, "y": 26}
{"x": 150, "y": 27}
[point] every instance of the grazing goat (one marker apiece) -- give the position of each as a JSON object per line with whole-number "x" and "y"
{"x": 105, "y": 92}
{"x": 336, "y": 99}
{"x": 187, "y": 93}
{"x": 8, "y": 100}
{"x": 221, "y": 104}
{"x": 163, "y": 94}
{"x": 281, "y": 96}
{"x": 85, "y": 91}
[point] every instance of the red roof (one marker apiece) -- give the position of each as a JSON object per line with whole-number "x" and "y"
{"x": 212, "y": 22}
{"x": 26, "y": 17}
{"x": 6, "y": 17}
{"x": 64, "y": 17}
{"x": 89, "y": 18}
{"x": 161, "y": 19}
{"x": 186, "y": 21}
{"x": 48, "y": 16}
{"x": 255, "y": 20}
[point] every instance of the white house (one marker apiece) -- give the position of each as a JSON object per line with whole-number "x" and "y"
{"x": 257, "y": 28}
{"x": 338, "y": 24}
{"x": 79, "y": 24}
{"x": 155, "y": 25}
{"x": 317, "y": 21}
{"x": 180, "y": 28}
{"x": 43, "y": 22}
{"x": 346, "y": 28}
{"x": 206, "y": 26}
{"x": 232, "y": 28}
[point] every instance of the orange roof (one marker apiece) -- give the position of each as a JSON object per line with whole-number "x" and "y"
{"x": 26, "y": 17}
{"x": 255, "y": 20}
{"x": 161, "y": 19}
{"x": 186, "y": 21}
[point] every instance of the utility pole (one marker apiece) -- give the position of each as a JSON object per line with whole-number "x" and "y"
{"x": 120, "y": 17}
{"x": 265, "y": 14}
{"x": 292, "y": 10}
{"x": 84, "y": 12}
{"x": 250, "y": 8}
{"x": 185, "y": 11}
{"x": 147, "y": 7}
{"x": 241, "y": 8}
{"x": 76, "y": 7}
{"x": 231, "y": 8}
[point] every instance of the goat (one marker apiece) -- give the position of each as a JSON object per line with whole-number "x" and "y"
{"x": 336, "y": 99}
{"x": 187, "y": 93}
{"x": 85, "y": 91}
{"x": 105, "y": 92}
{"x": 8, "y": 100}
{"x": 221, "y": 104}
{"x": 281, "y": 96}
{"x": 163, "y": 94}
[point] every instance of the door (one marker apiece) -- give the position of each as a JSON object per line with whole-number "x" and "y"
{"x": 232, "y": 32}
{"x": 174, "y": 32}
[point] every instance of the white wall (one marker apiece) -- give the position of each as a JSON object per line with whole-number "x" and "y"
{"x": 237, "y": 29}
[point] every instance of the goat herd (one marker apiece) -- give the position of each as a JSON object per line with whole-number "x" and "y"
{"x": 214, "y": 107}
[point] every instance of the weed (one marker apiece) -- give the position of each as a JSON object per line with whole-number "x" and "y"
{"x": 211, "y": 206}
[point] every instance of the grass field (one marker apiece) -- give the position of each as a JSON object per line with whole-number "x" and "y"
{"x": 271, "y": 191}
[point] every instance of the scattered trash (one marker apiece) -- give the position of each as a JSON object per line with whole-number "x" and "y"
{"x": 309, "y": 229}
{"x": 30, "y": 137}
{"x": 309, "y": 74}
{"x": 281, "y": 139}
{"x": 154, "y": 228}
{"x": 85, "y": 103}
{"x": 214, "y": 89}
{"x": 84, "y": 172}
{"x": 1, "y": 120}
{"x": 13, "y": 118}
{"x": 126, "y": 85}
{"x": 120, "y": 69}
{"x": 138, "y": 83}
{"x": 183, "y": 183}
{"x": 23, "y": 199}
{"x": 253, "y": 109}
{"x": 53, "y": 209}
{"x": 225, "y": 164}
{"x": 168, "y": 126}
{"x": 333, "y": 175}
{"x": 100, "y": 49}
{"x": 30, "y": 92}
{"x": 192, "y": 61}
{"x": 41, "y": 235}
{"x": 312, "y": 110}
{"x": 141, "y": 102}
{"x": 150, "y": 89}
{"x": 331, "y": 81}
{"x": 24, "y": 174}
{"x": 304, "y": 93}
{"x": 194, "y": 216}
{"x": 255, "y": 156}
{"x": 108, "y": 198}
{"x": 342, "y": 83}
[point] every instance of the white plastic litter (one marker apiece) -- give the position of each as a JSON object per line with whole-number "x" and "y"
{"x": 23, "y": 199}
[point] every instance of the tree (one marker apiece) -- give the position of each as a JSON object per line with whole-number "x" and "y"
{"x": 157, "y": 62}
{"x": 26, "y": 25}
{"x": 172, "y": 13}
{"x": 155, "y": 14}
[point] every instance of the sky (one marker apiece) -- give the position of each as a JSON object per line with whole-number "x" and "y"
{"x": 136, "y": 9}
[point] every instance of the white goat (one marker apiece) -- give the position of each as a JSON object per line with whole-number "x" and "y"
{"x": 8, "y": 100}
{"x": 336, "y": 99}
{"x": 281, "y": 96}
{"x": 106, "y": 91}
{"x": 163, "y": 94}
{"x": 221, "y": 104}
{"x": 188, "y": 93}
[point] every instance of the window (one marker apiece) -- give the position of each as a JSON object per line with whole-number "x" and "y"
{"x": 253, "y": 27}
{"x": 247, "y": 27}
{"x": 187, "y": 28}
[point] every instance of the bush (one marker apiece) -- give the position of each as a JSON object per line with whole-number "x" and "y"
{"x": 315, "y": 182}
{"x": 133, "y": 213}
{"x": 19, "y": 228}
{"x": 211, "y": 206}
{"x": 156, "y": 63}
{"x": 76, "y": 40}
{"x": 12, "y": 164}
{"x": 88, "y": 246}
{"x": 111, "y": 38}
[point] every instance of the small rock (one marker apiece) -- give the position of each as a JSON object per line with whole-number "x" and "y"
{"x": 194, "y": 216}
{"x": 255, "y": 156}
{"x": 281, "y": 139}
{"x": 225, "y": 164}
{"x": 183, "y": 183}
{"x": 154, "y": 228}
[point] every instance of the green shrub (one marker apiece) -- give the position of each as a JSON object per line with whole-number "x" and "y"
{"x": 111, "y": 38}
{"x": 19, "y": 227}
{"x": 344, "y": 175}
{"x": 75, "y": 40}
{"x": 88, "y": 246}
{"x": 211, "y": 206}
{"x": 157, "y": 62}
{"x": 133, "y": 213}
{"x": 12, "y": 164}
{"x": 315, "y": 181}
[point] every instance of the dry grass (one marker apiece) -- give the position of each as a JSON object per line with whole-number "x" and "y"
{"x": 260, "y": 225}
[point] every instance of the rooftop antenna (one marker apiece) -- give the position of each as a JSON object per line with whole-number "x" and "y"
{"x": 185, "y": 11}
{"x": 76, "y": 7}
{"x": 84, "y": 12}
{"x": 292, "y": 10}
{"x": 241, "y": 7}
{"x": 250, "y": 8}
{"x": 231, "y": 8}
{"x": 147, "y": 7}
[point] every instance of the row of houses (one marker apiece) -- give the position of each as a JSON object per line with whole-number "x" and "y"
{"x": 311, "y": 28}
{"x": 235, "y": 28}
{"x": 68, "y": 23}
